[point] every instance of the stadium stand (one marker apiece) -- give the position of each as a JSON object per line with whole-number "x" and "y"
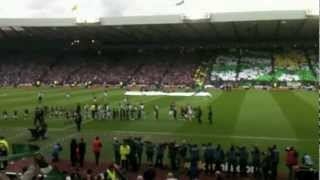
{"x": 61, "y": 70}
{"x": 181, "y": 71}
{"x": 166, "y": 69}
{"x": 292, "y": 66}
{"x": 224, "y": 68}
{"x": 314, "y": 62}
{"x": 146, "y": 50}
{"x": 23, "y": 69}
{"x": 255, "y": 66}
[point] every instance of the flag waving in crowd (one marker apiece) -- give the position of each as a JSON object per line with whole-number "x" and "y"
{"x": 180, "y": 3}
{"x": 74, "y": 8}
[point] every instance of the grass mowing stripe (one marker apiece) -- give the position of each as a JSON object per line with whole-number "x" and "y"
{"x": 309, "y": 97}
{"x": 226, "y": 109}
{"x": 301, "y": 115}
{"x": 259, "y": 114}
{"x": 13, "y": 93}
{"x": 54, "y": 99}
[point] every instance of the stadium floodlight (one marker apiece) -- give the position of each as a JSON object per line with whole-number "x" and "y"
{"x": 87, "y": 20}
{"x": 283, "y": 22}
{"x": 196, "y": 16}
{"x": 76, "y": 41}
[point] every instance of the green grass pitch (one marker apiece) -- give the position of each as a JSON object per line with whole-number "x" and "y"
{"x": 241, "y": 117}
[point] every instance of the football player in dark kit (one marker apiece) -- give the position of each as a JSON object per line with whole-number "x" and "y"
{"x": 116, "y": 150}
{"x": 82, "y": 152}
{"x": 40, "y": 129}
{"x": 199, "y": 115}
{"x": 78, "y": 117}
{"x": 210, "y": 114}
{"x": 40, "y": 97}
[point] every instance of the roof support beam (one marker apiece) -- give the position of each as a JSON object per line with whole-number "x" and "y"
{"x": 48, "y": 34}
{"x": 164, "y": 35}
{"x": 256, "y": 32}
{"x": 277, "y": 30}
{"x": 182, "y": 37}
{"x": 297, "y": 32}
{"x": 123, "y": 33}
{"x": 195, "y": 31}
{"x": 106, "y": 35}
{"x": 235, "y": 31}
{"x": 149, "y": 36}
{"x": 217, "y": 33}
{"x": 39, "y": 33}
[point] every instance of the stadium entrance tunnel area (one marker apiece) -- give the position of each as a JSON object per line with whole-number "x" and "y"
{"x": 240, "y": 117}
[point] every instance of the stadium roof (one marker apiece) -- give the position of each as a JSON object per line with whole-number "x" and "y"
{"x": 266, "y": 26}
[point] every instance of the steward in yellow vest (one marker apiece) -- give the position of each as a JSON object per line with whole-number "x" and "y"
{"x": 111, "y": 173}
{"x": 124, "y": 152}
{"x": 4, "y": 151}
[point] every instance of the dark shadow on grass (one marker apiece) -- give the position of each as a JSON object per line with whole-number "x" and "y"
{"x": 300, "y": 114}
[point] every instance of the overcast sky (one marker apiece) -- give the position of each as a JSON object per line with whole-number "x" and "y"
{"x": 102, "y": 8}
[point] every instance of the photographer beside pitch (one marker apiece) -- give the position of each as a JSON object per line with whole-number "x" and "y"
{"x": 40, "y": 126}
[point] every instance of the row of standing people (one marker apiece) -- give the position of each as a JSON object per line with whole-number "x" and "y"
{"x": 194, "y": 158}
{"x": 236, "y": 160}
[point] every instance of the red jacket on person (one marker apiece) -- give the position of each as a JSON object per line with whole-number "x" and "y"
{"x": 96, "y": 145}
{"x": 292, "y": 158}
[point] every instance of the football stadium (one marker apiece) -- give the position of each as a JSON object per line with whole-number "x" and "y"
{"x": 223, "y": 96}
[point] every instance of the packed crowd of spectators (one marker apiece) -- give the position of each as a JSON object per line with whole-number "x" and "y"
{"x": 23, "y": 69}
{"x": 224, "y": 68}
{"x": 314, "y": 61}
{"x": 289, "y": 66}
{"x": 292, "y": 66}
{"x": 181, "y": 71}
{"x": 76, "y": 69}
{"x": 255, "y": 66}
{"x": 155, "y": 68}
